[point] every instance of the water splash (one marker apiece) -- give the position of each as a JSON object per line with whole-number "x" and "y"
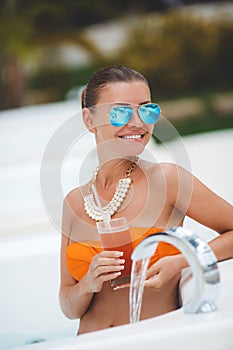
{"x": 138, "y": 276}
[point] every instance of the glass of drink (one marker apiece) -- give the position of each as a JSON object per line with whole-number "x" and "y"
{"x": 115, "y": 235}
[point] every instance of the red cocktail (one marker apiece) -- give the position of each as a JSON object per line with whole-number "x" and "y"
{"x": 115, "y": 235}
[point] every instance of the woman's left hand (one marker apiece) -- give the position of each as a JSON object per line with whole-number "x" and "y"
{"x": 164, "y": 270}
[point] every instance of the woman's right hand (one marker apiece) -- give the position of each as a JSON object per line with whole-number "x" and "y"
{"x": 104, "y": 267}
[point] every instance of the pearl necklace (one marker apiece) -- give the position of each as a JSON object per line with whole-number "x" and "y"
{"x": 93, "y": 211}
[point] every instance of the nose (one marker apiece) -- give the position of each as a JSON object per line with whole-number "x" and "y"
{"x": 135, "y": 120}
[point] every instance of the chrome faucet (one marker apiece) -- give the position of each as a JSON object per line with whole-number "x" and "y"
{"x": 201, "y": 259}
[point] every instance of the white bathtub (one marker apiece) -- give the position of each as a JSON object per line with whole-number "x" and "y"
{"x": 30, "y": 312}
{"x": 29, "y": 304}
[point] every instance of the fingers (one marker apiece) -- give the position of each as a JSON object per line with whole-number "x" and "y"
{"x": 107, "y": 269}
{"x": 107, "y": 263}
{"x": 155, "y": 282}
{"x": 161, "y": 273}
{"x": 111, "y": 254}
{"x": 152, "y": 271}
{"x": 154, "y": 277}
{"x": 107, "y": 258}
{"x": 109, "y": 276}
{"x": 105, "y": 266}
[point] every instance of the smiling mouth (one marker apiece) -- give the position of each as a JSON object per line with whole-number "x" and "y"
{"x": 132, "y": 137}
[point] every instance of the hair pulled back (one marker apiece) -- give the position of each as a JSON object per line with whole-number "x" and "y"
{"x": 105, "y": 76}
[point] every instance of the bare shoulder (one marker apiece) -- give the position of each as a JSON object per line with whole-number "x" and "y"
{"x": 168, "y": 170}
{"x": 156, "y": 165}
{"x": 75, "y": 197}
{"x": 171, "y": 169}
{"x": 72, "y": 203}
{"x": 174, "y": 177}
{"x": 72, "y": 206}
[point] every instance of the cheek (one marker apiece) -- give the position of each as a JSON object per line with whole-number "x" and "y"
{"x": 105, "y": 132}
{"x": 101, "y": 120}
{"x": 149, "y": 129}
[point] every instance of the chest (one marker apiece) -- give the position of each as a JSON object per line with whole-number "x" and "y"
{"x": 145, "y": 205}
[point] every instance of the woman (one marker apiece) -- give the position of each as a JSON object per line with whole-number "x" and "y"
{"x": 117, "y": 109}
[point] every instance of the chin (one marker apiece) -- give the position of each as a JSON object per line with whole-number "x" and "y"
{"x": 132, "y": 150}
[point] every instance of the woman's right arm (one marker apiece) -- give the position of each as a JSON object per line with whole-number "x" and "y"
{"x": 74, "y": 299}
{"x": 76, "y": 296}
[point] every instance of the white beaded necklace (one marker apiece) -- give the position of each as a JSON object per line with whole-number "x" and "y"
{"x": 91, "y": 208}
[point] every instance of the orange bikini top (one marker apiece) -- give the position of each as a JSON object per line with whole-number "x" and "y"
{"x": 80, "y": 254}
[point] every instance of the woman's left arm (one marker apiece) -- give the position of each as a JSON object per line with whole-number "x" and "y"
{"x": 191, "y": 197}
{"x": 207, "y": 208}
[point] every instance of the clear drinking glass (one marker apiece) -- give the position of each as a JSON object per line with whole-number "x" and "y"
{"x": 115, "y": 235}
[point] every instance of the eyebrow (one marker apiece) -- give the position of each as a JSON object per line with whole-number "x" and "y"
{"x": 129, "y": 104}
{"x": 143, "y": 103}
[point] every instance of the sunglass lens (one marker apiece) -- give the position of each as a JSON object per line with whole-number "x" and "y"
{"x": 149, "y": 113}
{"x": 120, "y": 116}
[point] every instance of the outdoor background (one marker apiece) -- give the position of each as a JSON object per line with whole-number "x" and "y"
{"x": 49, "y": 49}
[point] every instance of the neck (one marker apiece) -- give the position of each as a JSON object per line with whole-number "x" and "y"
{"x": 112, "y": 171}
{"x": 105, "y": 184}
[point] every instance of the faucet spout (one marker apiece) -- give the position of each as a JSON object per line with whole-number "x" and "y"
{"x": 201, "y": 259}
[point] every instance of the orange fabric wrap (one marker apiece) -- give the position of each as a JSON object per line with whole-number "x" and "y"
{"x": 80, "y": 254}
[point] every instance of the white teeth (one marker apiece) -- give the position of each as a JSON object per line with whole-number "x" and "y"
{"x": 131, "y": 137}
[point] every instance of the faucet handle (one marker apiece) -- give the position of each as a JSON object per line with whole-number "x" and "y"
{"x": 205, "y": 272}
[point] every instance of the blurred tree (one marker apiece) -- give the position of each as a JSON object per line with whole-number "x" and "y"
{"x": 15, "y": 35}
{"x": 26, "y": 25}
{"x": 180, "y": 53}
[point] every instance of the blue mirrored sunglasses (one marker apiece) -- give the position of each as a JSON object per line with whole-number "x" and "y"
{"x": 121, "y": 115}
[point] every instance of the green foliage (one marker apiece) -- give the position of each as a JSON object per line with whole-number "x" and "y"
{"x": 59, "y": 80}
{"x": 48, "y": 18}
{"x": 180, "y": 52}
{"x": 15, "y": 31}
{"x": 207, "y": 121}
{"x": 180, "y": 55}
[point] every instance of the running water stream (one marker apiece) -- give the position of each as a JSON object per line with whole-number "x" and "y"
{"x": 138, "y": 276}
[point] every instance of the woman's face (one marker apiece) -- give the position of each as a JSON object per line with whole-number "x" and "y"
{"x": 129, "y": 139}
